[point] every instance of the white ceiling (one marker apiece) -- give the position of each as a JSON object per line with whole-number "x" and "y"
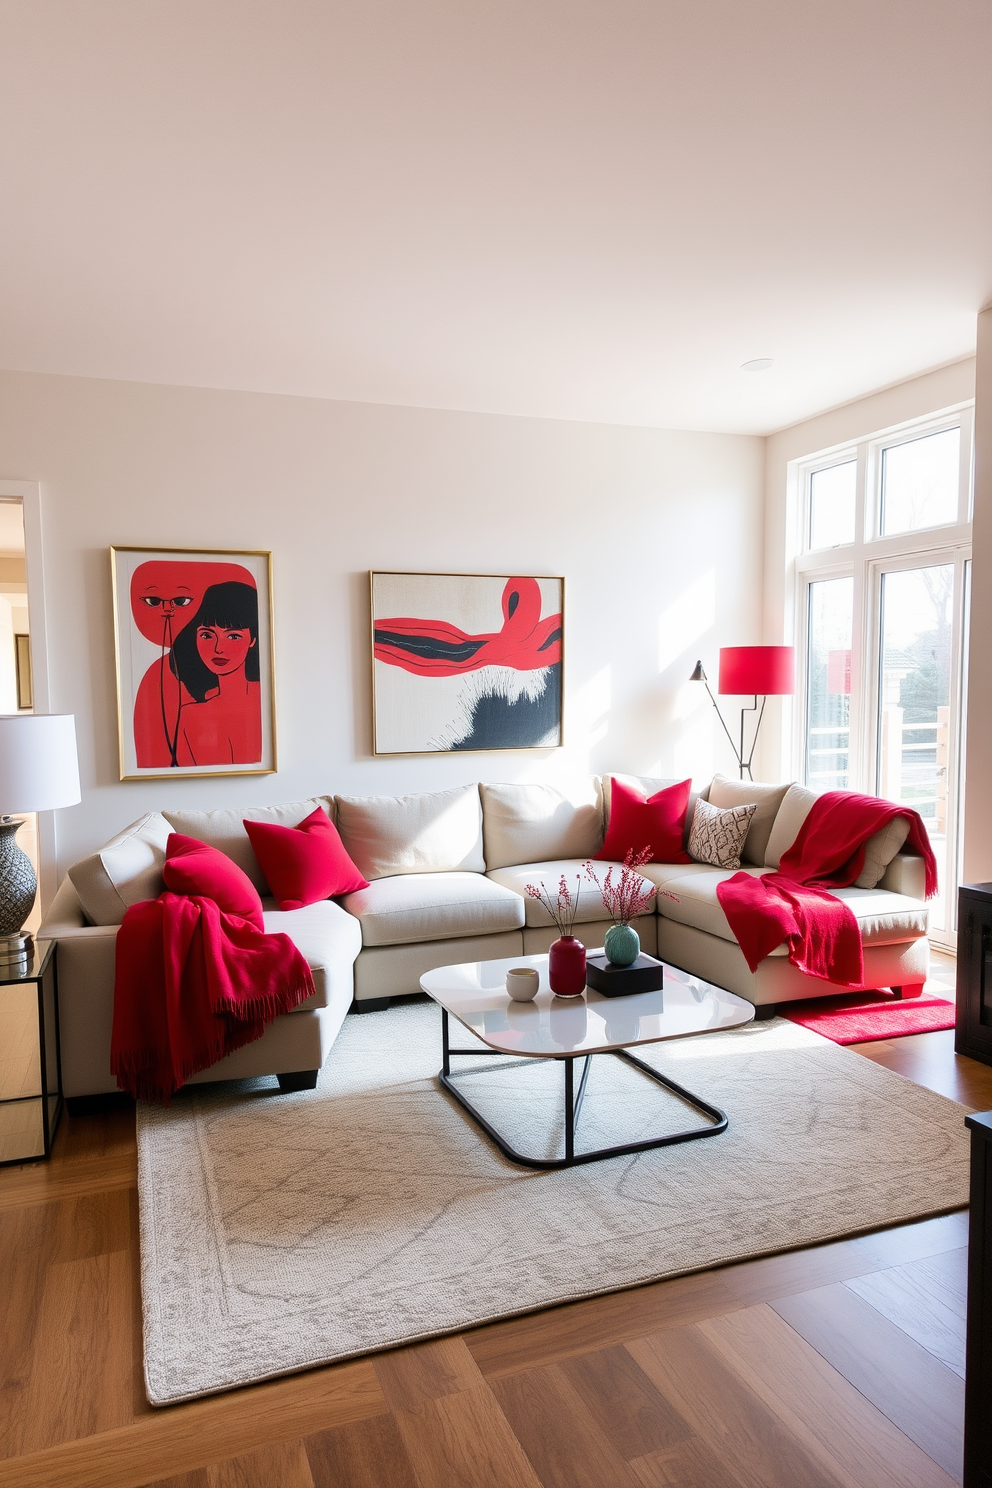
{"x": 582, "y": 209}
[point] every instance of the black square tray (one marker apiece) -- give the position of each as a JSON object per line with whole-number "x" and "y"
{"x": 643, "y": 975}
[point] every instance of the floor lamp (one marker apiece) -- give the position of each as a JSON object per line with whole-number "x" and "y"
{"x": 758, "y": 671}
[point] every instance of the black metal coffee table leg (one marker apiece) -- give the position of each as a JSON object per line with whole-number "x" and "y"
{"x": 717, "y": 1119}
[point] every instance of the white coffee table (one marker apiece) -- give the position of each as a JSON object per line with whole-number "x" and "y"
{"x": 577, "y": 1028}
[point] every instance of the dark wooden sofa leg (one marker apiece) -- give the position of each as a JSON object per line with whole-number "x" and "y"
{"x": 298, "y": 1080}
{"x": 896, "y": 993}
{"x": 370, "y": 1004}
{"x": 764, "y": 1011}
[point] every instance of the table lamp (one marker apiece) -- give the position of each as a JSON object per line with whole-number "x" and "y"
{"x": 38, "y": 772}
{"x": 758, "y": 671}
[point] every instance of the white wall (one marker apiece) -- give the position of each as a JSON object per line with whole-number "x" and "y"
{"x": 913, "y": 399}
{"x": 977, "y": 866}
{"x": 659, "y": 535}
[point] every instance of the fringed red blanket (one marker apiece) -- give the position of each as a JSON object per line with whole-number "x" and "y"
{"x": 195, "y": 982}
{"x": 794, "y": 905}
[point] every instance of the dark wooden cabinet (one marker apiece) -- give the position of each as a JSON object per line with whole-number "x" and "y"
{"x": 973, "y": 1031}
{"x": 978, "y": 1366}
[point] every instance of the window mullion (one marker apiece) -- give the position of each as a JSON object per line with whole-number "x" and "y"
{"x": 860, "y": 675}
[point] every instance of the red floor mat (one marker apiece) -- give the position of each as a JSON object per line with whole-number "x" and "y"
{"x": 870, "y": 1015}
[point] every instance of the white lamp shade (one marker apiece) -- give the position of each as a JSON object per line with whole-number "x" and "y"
{"x": 38, "y": 766}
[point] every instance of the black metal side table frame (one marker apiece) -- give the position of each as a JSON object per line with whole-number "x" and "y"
{"x": 573, "y": 1105}
{"x": 41, "y": 967}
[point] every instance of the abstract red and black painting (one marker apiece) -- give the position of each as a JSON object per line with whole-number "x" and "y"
{"x": 466, "y": 662}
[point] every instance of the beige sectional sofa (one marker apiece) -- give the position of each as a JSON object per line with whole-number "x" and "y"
{"x": 447, "y": 874}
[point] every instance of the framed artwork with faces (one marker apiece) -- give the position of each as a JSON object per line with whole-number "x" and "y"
{"x": 193, "y": 644}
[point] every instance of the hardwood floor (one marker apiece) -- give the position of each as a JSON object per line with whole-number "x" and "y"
{"x": 837, "y": 1365}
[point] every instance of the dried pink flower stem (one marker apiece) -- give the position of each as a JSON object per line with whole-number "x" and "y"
{"x": 563, "y": 909}
{"x": 627, "y": 898}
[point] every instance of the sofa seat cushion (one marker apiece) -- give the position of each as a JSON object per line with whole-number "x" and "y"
{"x": 548, "y": 874}
{"x": 433, "y": 906}
{"x": 662, "y": 873}
{"x": 330, "y": 940}
{"x": 884, "y": 918}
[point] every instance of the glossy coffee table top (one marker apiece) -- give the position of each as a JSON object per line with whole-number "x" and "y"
{"x": 555, "y": 1027}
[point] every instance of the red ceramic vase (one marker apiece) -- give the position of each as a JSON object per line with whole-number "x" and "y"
{"x": 567, "y": 967}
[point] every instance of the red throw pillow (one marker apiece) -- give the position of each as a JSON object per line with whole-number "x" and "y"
{"x": 636, "y": 823}
{"x": 193, "y": 867}
{"x": 305, "y": 863}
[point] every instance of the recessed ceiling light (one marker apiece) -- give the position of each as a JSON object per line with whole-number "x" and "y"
{"x": 760, "y": 364}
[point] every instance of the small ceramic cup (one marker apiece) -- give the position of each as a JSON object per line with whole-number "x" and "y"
{"x": 522, "y": 983}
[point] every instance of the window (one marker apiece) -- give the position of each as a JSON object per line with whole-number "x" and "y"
{"x": 830, "y": 612}
{"x": 920, "y": 483}
{"x": 832, "y": 504}
{"x": 882, "y": 603}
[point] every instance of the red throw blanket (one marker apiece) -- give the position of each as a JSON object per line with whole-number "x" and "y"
{"x": 193, "y": 984}
{"x": 794, "y": 905}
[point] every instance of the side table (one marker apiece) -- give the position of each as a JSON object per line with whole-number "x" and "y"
{"x": 30, "y": 1057}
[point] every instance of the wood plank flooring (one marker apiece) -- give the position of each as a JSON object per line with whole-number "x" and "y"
{"x": 840, "y": 1366}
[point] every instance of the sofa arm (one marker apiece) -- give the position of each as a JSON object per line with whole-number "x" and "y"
{"x": 65, "y": 914}
{"x": 906, "y": 874}
{"x": 86, "y": 1006}
{"x": 86, "y": 993}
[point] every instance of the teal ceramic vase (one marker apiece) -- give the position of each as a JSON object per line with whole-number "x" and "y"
{"x": 622, "y": 945}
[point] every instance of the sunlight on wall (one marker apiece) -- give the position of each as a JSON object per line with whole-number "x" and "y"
{"x": 682, "y": 623}
{"x": 587, "y": 722}
{"x": 590, "y": 709}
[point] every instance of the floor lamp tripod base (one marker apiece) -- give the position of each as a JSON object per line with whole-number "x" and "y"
{"x": 18, "y": 887}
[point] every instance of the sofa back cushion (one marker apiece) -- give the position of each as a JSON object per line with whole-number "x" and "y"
{"x": 125, "y": 871}
{"x": 766, "y": 799}
{"x": 879, "y": 849}
{"x": 649, "y": 785}
{"x": 225, "y": 829}
{"x": 439, "y": 832}
{"x": 541, "y": 823}
{"x": 795, "y": 808}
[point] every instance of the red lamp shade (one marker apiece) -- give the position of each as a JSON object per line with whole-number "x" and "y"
{"x": 757, "y": 670}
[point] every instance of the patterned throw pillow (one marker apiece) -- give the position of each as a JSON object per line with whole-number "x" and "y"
{"x": 717, "y": 837}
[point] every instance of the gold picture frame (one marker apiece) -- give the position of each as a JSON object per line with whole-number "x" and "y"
{"x": 207, "y": 705}
{"x": 23, "y": 673}
{"x": 466, "y": 662}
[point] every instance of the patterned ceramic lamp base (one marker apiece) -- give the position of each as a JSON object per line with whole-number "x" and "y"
{"x": 18, "y": 886}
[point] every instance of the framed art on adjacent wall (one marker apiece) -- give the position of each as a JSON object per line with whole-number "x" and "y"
{"x": 22, "y": 670}
{"x": 193, "y": 641}
{"x": 466, "y": 662}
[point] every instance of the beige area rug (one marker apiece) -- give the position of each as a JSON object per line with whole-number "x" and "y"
{"x": 280, "y": 1232}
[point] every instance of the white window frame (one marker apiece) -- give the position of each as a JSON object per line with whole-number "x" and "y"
{"x": 865, "y": 559}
